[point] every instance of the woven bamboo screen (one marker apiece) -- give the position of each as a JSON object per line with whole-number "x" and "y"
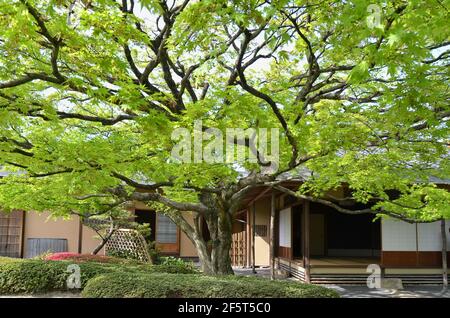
{"x": 129, "y": 242}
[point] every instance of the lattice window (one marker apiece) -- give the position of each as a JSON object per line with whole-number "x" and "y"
{"x": 166, "y": 231}
{"x": 129, "y": 242}
{"x": 11, "y": 233}
{"x": 238, "y": 251}
{"x": 261, "y": 230}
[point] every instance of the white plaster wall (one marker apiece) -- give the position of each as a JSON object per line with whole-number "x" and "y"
{"x": 285, "y": 228}
{"x": 401, "y": 236}
{"x": 397, "y": 235}
{"x": 429, "y": 235}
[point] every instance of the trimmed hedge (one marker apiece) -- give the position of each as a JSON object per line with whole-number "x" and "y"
{"x": 40, "y": 276}
{"x": 4, "y": 260}
{"x": 37, "y": 276}
{"x": 172, "y": 279}
{"x": 161, "y": 285}
{"x": 175, "y": 266}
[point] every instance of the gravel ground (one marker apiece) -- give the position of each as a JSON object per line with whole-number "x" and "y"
{"x": 407, "y": 292}
{"x": 47, "y": 295}
{"x": 364, "y": 291}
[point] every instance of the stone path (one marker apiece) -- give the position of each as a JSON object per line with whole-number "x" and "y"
{"x": 261, "y": 272}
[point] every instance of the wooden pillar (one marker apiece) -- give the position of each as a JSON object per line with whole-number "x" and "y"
{"x": 8, "y": 233}
{"x": 22, "y": 235}
{"x": 444, "y": 255}
{"x": 417, "y": 245}
{"x": 80, "y": 236}
{"x": 253, "y": 238}
{"x": 271, "y": 239}
{"x": 306, "y": 243}
{"x": 248, "y": 239}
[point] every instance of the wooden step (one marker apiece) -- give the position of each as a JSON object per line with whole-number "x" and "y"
{"x": 423, "y": 279}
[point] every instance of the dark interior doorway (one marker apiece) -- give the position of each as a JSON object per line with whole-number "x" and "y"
{"x": 335, "y": 234}
{"x": 147, "y": 216}
{"x": 318, "y": 236}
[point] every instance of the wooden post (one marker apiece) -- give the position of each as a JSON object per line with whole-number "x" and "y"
{"x": 444, "y": 255}
{"x": 8, "y": 230}
{"x": 22, "y": 236}
{"x": 80, "y": 236}
{"x": 271, "y": 239}
{"x": 248, "y": 240}
{"x": 253, "y": 238}
{"x": 306, "y": 243}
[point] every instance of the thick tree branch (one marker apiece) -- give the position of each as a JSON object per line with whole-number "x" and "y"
{"x": 156, "y": 197}
{"x": 244, "y": 84}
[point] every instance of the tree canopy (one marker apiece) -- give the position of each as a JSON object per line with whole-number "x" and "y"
{"x": 91, "y": 91}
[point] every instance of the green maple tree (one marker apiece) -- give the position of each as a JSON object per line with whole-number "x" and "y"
{"x": 91, "y": 91}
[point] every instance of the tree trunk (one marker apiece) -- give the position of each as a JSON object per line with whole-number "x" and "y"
{"x": 215, "y": 260}
{"x": 99, "y": 247}
{"x": 103, "y": 243}
{"x": 214, "y": 255}
{"x": 220, "y": 229}
{"x": 203, "y": 254}
{"x": 222, "y": 259}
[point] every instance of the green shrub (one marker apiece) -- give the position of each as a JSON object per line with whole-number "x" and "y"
{"x": 175, "y": 266}
{"x": 161, "y": 285}
{"x": 174, "y": 269}
{"x": 38, "y": 276}
{"x": 4, "y": 260}
{"x": 170, "y": 260}
{"x": 154, "y": 252}
{"x": 43, "y": 255}
{"x": 19, "y": 276}
{"x": 122, "y": 254}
